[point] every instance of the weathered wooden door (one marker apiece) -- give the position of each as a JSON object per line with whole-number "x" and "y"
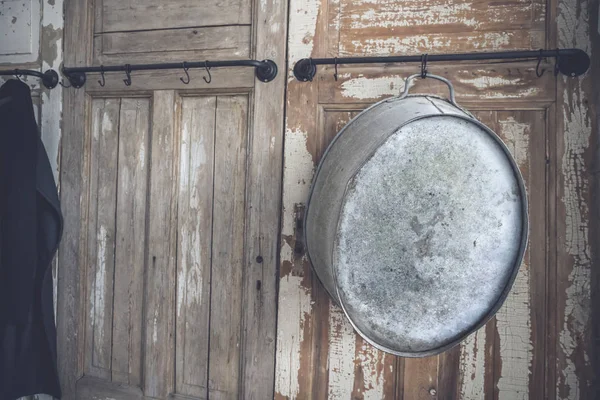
{"x": 167, "y": 282}
{"x": 537, "y": 346}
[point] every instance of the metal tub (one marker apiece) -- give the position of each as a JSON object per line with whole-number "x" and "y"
{"x": 416, "y": 223}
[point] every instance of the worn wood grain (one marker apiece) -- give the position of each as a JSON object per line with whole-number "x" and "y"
{"x": 101, "y": 236}
{"x": 194, "y": 236}
{"x": 263, "y": 199}
{"x": 132, "y": 177}
{"x": 191, "y": 44}
{"x": 513, "y": 320}
{"x": 574, "y": 129}
{"x": 156, "y": 14}
{"x": 73, "y": 164}
{"x": 227, "y": 246}
{"x": 420, "y": 378}
{"x": 148, "y": 81}
{"x": 383, "y": 42}
{"x": 482, "y": 84}
{"x": 161, "y": 251}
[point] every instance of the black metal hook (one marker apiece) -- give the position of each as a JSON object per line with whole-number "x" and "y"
{"x": 127, "y": 80}
{"x": 185, "y": 69}
{"x": 209, "y": 80}
{"x": 539, "y": 73}
{"x": 102, "y": 82}
{"x": 424, "y": 66}
{"x": 18, "y": 75}
{"x": 335, "y": 64}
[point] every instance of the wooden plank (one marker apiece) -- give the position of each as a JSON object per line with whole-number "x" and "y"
{"x": 420, "y": 378}
{"x": 194, "y": 252}
{"x": 73, "y": 183}
{"x": 575, "y": 119}
{"x": 263, "y": 199}
{"x": 342, "y": 350}
{"x": 227, "y": 246}
{"x": 483, "y": 84}
{"x": 448, "y": 374}
{"x": 192, "y": 44}
{"x": 101, "y": 236}
{"x": 129, "y": 252}
{"x": 513, "y": 320}
{"x": 385, "y": 43}
{"x": 156, "y": 14}
{"x": 537, "y": 187}
{"x": 161, "y": 250}
{"x": 148, "y": 81}
{"x": 442, "y": 16}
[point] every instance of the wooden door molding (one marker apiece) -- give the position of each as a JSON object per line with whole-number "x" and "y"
{"x": 152, "y": 111}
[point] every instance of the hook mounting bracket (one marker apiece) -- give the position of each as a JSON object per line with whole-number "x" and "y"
{"x": 267, "y": 71}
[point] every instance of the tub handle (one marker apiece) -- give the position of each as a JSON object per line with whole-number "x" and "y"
{"x": 452, "y": 99}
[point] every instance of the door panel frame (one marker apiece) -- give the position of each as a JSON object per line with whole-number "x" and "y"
{"x": 263, "y": 193}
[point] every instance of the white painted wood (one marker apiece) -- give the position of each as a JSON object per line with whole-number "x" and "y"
{"x": 19, "y": 31}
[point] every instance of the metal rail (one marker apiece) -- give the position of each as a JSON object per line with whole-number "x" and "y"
{"x": 49, "y": 78}
{"x": 569, "y": 62}
{"x": 265, "y": 70}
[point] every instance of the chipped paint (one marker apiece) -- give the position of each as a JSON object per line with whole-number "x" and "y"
{"x": 415, "y": 43}
{"x": 442, "y": 14}
{"x": 573, "y": 31}
{"x": 342, "y": 341}
{"x": 294, "y": 311}
{"x": 297, "y": 172}
{"x": 513, "y": 320}
{"x": 372, "y": 363}
{"x": 302, "y": 26}
{"x": 362, "y": 87}
{"x": 472, "y": 366}
{"x": 487, "y": 82}
{"x": 577, "y": 304}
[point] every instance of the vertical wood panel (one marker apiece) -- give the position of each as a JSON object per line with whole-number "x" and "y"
{"x": 130, "y": 240}
{"x": 420, "y": 377}
{"x": 161, "y": 250}
{"x": 513, "y": 320}
{"x": 263, "y": 202}
{"x": 194, "y": 244}
{"x": 101, "y": 235}
{"x": 227, "y": 246}
{"x": 575, "y": 120}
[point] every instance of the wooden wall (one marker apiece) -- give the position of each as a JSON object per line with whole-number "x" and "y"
{"x": 539, "y": 345}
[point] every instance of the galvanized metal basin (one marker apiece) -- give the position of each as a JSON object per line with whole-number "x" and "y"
{"x": 417, "y": 223}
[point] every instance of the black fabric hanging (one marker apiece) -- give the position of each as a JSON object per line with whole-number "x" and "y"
{"x": 30, "y": 230}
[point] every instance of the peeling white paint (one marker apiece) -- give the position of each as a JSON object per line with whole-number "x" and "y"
{"x": 573, "y": 31}
{"x": 472, "y": 366}
{"x": 487, "y": 82}
{"x": 513, "y": 320}
{"x": 298, "y": 171}
{"x": 425, "y": 42}
{"x": 302, "y": 26}
{"x": 294, "y": 311}
{"x": 577, "y": 307}
{"x": 362, "y": 88}
{"x": 439, "y": 14}
{"x": 372, "y": 361}
{"x": 342, "y": 350}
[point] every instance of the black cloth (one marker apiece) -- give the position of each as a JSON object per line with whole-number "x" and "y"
{"x": 30, "y": 230}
